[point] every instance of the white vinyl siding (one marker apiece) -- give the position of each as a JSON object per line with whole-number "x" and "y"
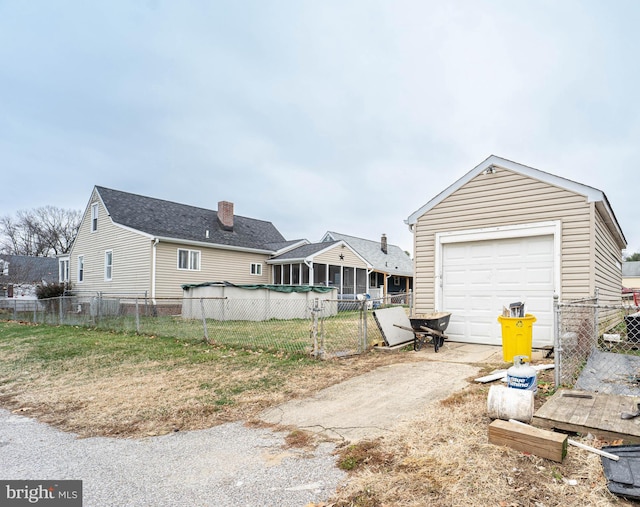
{"x": 501, "y": 199}
{"x": 608, "y": 264}
{"x": 131, "y": 250}
{"x": 216, "y": 265}
{"x": 332, "y": 257}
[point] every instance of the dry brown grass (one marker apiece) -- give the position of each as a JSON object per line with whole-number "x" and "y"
{"x": 151, "y": 398}
{"x": 443, "y": 458}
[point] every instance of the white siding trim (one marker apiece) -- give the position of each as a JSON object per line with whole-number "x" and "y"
{"x": 548, "y": 228}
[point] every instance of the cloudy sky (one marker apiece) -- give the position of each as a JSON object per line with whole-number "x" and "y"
{"x": 315, "y": 115}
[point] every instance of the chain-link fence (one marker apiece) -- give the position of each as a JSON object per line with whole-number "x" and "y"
{"x": 597, "y": 346}
{"x": 320, "y": 327}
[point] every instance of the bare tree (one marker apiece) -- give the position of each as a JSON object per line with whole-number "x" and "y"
{"x": 42, "y": 232}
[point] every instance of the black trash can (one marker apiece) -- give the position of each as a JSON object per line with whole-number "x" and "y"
{"x": 633, "y": 327}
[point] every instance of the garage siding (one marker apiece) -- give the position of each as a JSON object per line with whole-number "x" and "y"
{"x": 608, "y": 264}
{"x": 500, "y": 199}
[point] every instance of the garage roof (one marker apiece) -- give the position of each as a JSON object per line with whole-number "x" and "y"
{"x": 493, "y": 162}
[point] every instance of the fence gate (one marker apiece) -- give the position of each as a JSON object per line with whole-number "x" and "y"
{"x": 338, "y": 334}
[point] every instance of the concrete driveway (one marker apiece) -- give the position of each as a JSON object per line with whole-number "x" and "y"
{"x": 372, "y": 404}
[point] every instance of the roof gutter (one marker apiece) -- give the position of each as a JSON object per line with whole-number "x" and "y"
{"x": 212, "y": 245}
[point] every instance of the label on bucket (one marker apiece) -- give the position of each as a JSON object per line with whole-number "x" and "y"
{"x": 528, "y": 383}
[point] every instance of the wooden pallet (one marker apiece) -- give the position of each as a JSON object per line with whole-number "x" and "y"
{"x": 586, "y": 412}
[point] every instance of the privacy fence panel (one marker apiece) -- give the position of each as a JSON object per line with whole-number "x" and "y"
{"x": 596, "y": 345}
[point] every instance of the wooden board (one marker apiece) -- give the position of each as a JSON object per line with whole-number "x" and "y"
{"x": 525, "y": 438}
{"x": 586, "y": 412}
{"x": 394, "y": 325}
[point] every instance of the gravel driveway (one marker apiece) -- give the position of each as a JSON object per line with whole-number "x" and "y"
{"x": 227, "y": 465}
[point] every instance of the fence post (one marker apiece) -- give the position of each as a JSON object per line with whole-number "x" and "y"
{"x": 15, "y": 308}
{"x": 314, "y": 327}
{"x": 596, "y": 318}
{"x": 365, "y": 336}
{"x": 557, "y": 346}
{"x": 35, "y": 309}
{"x": 137, "y": 318}
{"x": 204, "y": 321}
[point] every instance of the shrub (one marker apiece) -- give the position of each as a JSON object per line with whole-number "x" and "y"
{"x": 51, "y": 290}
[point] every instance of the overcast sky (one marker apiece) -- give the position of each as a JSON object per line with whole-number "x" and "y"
{"x": 315, "y": 115}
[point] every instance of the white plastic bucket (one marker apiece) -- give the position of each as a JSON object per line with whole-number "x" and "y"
{"x": 506, "y": 403}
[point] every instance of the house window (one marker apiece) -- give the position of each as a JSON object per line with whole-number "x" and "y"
{"x": 256, "y": 268}
{"x": 396, "y": 281}
{"x": 108, "y": 265}
{"x": 63, "y": 270}
{"x": 189, "y": 259}
{"x": 80, "y": 268}
{"x": 94, "y": 217}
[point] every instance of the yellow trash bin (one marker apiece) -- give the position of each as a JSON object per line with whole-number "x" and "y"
{"x": 517, "y": 335}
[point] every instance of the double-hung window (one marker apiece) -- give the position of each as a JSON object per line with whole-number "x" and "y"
{"x": 108, "y": 265}
{"x": 63, "y": 270}
{"x": 94, "y": 217}
{"x": 189, "y": 259}
{"x": 80, "y": 268}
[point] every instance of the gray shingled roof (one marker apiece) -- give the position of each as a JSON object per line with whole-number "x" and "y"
{"x": 304, "y": 251}
{"x": 279, "y": 246}
{"x": 173, "y": 220}
{"x": 631, "y": 268}
{"x": 27, "y": 269}
{"x": 395, "y": 262}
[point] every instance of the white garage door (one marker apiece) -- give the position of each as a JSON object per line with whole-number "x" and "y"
{"x": 480, "y": 277}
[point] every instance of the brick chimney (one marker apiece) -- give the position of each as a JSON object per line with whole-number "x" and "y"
{"x": 225, "y": 215}
{"x": 383, "y": 243}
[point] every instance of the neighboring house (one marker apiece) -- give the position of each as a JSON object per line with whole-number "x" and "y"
{"x": 332, "y": 264}
{"x": 391, "y": 267}
{"x": 506, "y": 232}
{"x": 631, "y": 275}
{"x": 132, "y": 244}
{"x": 20, "y": 274}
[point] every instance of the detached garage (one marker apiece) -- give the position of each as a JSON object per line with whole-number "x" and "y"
{"x": 506, "y": 232}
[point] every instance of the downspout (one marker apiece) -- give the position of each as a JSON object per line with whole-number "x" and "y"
{"x": 153, "y": 271}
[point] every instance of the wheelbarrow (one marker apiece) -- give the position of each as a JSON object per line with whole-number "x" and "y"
{"x": 428, "y": 327}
